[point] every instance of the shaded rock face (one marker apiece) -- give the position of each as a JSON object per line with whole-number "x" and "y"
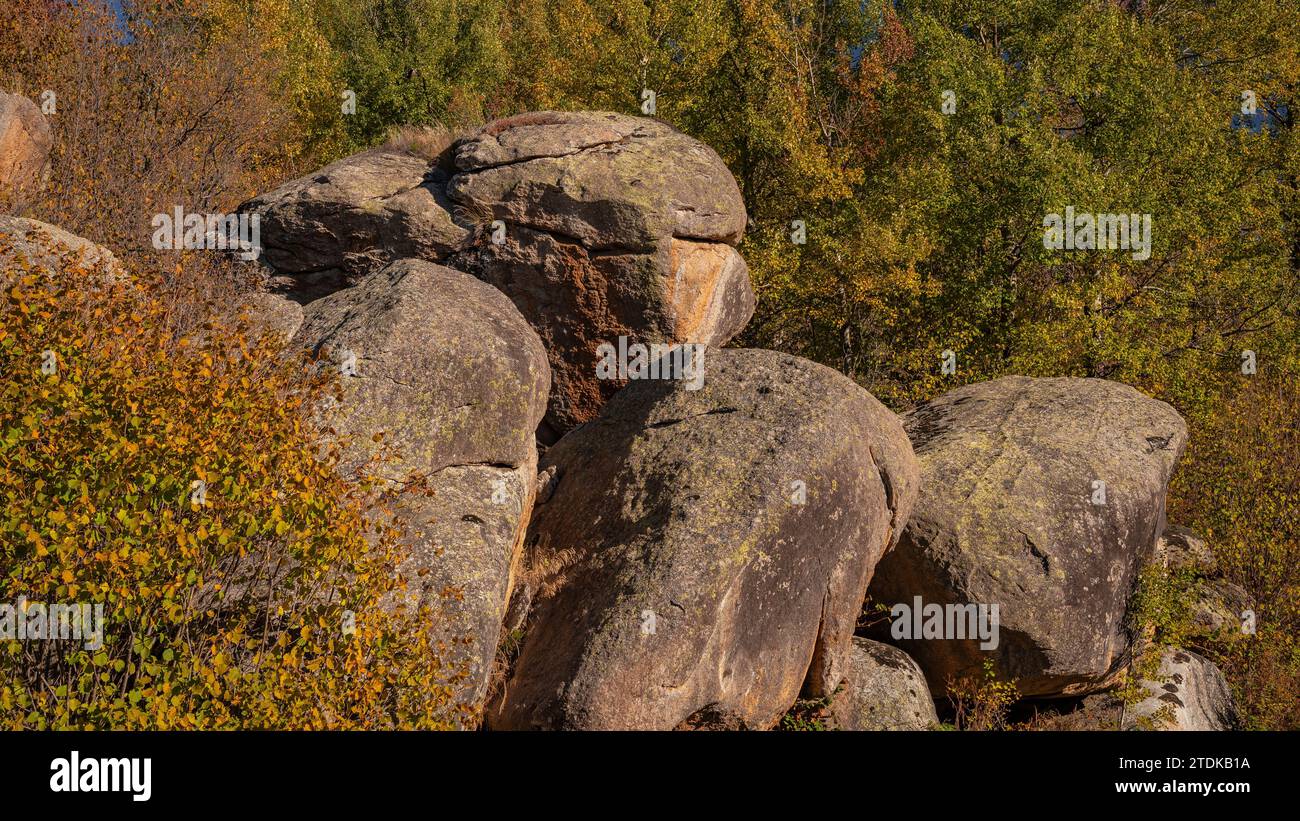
{"x": 578, "y": 302}
{"x": 324, "y": 231}
{"x": 41, "y": 245}
{"x": 1011, "y": 513}
{"x": 25, "y": 141}
{"x": 704, "y": 553}
{"x": 615, "y": 226}
{"x": 1189, "y": 693}
{"x": 884, "y": 689}
{"x": 455, "y": 380}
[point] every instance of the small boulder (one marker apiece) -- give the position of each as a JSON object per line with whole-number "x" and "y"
{"x": 704, "y": 553}
{"x": 39, "y": 245}
{"x": 1044, "y": 497}
{"x": 1180, "y": 548}
{"x": 1188, "y": 693}
{"x": 883, "y": 689}
{"x": 1216, "y": 604}
{"x": 1219, "y": 606}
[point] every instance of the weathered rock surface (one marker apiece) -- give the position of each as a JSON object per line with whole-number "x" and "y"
{"x": 578, "y": 301}
{"x": 608, "y": 181}
{"x": 615, "y": 226}
{"x": 1011, "y": 513}
{"x": 443, "y": 369}
{"x": 25, "y": 141}
{"x": 884, "y": 689}
{"x": 41, "y": 245}
{"x": 1189, "y": 693}
{"x": 1182, "y": 549}
{"x": 704, "y": 553}
{"x": 328, "y": 229}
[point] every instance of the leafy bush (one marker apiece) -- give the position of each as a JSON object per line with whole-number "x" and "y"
{"x": 981, "y": 702}
{"x": 223, "y": 609}
{"x": 1240, "y": 489}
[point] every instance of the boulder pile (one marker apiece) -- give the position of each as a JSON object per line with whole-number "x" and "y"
{"x": 596, "y": 225}
{"x": 645, "y": 529}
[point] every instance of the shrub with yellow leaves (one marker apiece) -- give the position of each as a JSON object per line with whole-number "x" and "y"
{"x": 176, "y": 480}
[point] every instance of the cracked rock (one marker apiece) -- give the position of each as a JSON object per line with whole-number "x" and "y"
{"x": 326, "y": 230}
{"x": 614, "y": 226}
{"x": 610, "y": 226}
{"x": 608, "y": 181}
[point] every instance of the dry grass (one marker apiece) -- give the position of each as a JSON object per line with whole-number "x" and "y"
{"x": 531, "y": 118}
{"x": 428, "y": 141}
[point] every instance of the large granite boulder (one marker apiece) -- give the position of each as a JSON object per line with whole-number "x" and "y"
{"x": 613, "y": 226}
{"x": 326, "y": 230}
{"x": 1188, "y": 693}
{"x": 883, "y": 690}
{"x": 442, "y": 381}
{"x": 25, "y": 142}
{"x": 704, "y": 553}
{"x": 1043, "y": 497}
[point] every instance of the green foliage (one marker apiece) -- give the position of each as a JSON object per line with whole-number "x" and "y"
{"x": 415, "y": 62}
{"x": 981, "y": 701}
{"x": 1161, "y": 605}
{"x": 808, "y": 715}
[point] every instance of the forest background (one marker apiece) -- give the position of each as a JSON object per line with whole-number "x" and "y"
{"x": 920, "y": 142}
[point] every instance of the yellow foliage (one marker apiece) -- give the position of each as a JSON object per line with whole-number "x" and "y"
{"x": 175, "y": 482}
